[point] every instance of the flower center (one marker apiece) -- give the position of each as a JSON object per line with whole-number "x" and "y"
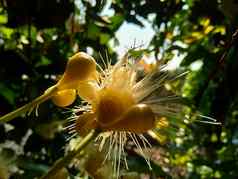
{"x": 112, "y": 104}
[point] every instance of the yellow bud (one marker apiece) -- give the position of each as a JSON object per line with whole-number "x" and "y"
{"x": 138, "y": 119}
{"x": 80, "y": 67}
{"x": 64, "y": 97}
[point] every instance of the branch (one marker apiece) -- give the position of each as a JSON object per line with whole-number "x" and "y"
{"x": 62, "y": 162}
{"x": 29, "y": 106}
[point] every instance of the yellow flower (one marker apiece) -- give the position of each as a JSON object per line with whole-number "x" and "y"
{"x": 124, "y": 105}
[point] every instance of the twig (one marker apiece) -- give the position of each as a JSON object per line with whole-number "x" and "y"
{"x": 59, "y": 164}
{"x": 27, "y": 107}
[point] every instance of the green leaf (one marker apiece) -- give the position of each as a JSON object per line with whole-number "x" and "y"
{"x": 7, "y": 32}
{"x": 104, "y": 38}
{"x": 7, "y": 93}
{"x": 3, "y": 19}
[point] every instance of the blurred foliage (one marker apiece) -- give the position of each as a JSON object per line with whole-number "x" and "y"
{"x": 36, "y": 37}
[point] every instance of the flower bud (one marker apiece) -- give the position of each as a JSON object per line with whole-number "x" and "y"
{"x": 80, "y": 67}
{"x": 64, "y": 97}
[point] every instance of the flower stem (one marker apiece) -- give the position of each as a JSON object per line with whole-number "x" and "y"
{"x": 64, "y": 161}
{"x": 27, "y": 107}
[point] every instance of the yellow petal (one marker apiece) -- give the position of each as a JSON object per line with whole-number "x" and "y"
{"x": 84, "y": 123}
{"x": 138, "y": 119}
{"x": 64, "y": 97}
{"x": 88, "y": 91}
{"x": 112, "y": 104}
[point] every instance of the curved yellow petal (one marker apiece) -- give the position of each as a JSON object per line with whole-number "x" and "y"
{"x": 85, "y": 123}
{"x": 64, "y": 97}
{"x": 88, "y": 91}
{"x": 138, "y": 119}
